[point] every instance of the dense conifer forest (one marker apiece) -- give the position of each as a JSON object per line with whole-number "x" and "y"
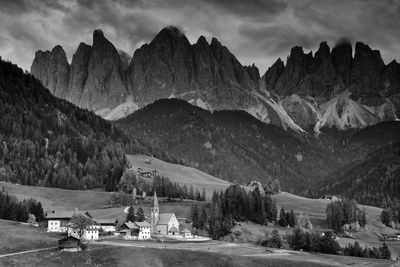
{"x": 46, "y": 141}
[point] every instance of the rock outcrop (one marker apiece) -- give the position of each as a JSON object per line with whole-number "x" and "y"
{"x": 52, "y": 68}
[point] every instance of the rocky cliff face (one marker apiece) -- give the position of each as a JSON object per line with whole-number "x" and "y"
{"x": 106, "y": 80}
{"x": 52, "y": 68}
{"x": 368, "y": 82}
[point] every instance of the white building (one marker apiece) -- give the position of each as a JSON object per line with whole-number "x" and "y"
{"x": 136, "y": 230}
{"x": 57, "y": 222}
{"x": 107, "y": 225}
{"x": 91, "y": 233}
{"x": 144, "y": 230}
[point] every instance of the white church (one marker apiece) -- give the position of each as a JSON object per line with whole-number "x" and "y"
{"x": 163, "y": 223}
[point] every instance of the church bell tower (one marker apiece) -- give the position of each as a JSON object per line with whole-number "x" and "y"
{"x": 154, "y": 213}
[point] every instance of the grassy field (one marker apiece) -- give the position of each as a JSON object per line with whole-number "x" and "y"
{"x": 128, "y": 256}
{"x": 15, "y": 237}
{"x": 59, "y": 199}
{"x": 180, "y": 174}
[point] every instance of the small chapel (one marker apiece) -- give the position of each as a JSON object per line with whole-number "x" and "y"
{"x": 163, "y": 223}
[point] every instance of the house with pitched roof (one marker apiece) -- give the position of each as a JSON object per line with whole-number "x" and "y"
{"x": 163, "y": 223}
{"x": 135, "y": 230}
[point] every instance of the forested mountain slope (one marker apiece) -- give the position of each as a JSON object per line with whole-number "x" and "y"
{"x": 231, "y": 145}
{"x": 50, "y": 142}
{"x": 372, "y": 181}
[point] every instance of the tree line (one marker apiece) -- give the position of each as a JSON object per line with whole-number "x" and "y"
{"x": 302, "y": 239}
{"x": 15, "y": 210}
{"x": 233, "y": 204}
{"x": 163, "y": 186}
{"x": 345, "y": 215}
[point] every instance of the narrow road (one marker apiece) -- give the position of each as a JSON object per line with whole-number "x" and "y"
{"x": 24, "y": 252}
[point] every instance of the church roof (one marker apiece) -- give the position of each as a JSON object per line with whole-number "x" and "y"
{"x": 155, "y": 200}
{"x": 186, "y": 230}
{"x": 164, "y": 218}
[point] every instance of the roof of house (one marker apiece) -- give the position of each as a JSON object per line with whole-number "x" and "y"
{"x": 142, "y": 224}
{"x": 60, "y": 215}
{"x": 164, "y": 218}
{"x": 173, "y": 229}
{"x": 67, "y": 214}
{"x": 106, "y": 221}
{"x": 131, "y": 225}
{"x": 186, "y": 230}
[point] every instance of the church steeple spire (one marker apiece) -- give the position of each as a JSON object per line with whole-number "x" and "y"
{"x": 155, "y": 200}
{"x": 154, "y": 213}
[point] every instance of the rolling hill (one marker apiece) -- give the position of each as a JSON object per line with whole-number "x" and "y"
{"x": 180, "y": 174}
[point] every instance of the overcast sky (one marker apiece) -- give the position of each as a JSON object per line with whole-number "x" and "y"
{"x": 256, "y": 31}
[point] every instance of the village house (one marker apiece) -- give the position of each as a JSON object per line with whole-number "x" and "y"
{"x": 135, "y": 230}
{"x": 331, "y": 197}
{"x": 147, "y": 173}
{"x": 163, "y": 223}
{"x": 107, "y": 225}
{"x": 90, "y": 233}
{"x": 57, "y": 222}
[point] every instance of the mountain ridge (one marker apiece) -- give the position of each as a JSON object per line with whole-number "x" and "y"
{"x": 209, "y": 74}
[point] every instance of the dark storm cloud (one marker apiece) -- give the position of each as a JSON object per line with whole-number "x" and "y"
{"x": 257, "y": 31}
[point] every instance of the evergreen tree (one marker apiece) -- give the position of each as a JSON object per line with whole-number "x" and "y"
{"x": 291, "y": 218}
{"x": 385, "y": 252}
{"x": 276, "y": 240}
{"x": 130, "y": 217}
{"x": 195, "y": 216}
{"x": 140, "y": 215}
{"x": 282, "y": 218}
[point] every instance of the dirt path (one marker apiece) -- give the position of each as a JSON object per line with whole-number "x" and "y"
{"x": 25, "y": 252}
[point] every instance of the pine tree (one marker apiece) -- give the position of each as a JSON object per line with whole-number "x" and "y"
{"x": 282, "y": 218}
{"x": 276, "y": 240}
{"x": 140, "y": 215}
{"x": 195, "y": 216}
{"x": 130, "y": 217}
{"x": 385, "y": 252}
{"x": 203, "y": 194}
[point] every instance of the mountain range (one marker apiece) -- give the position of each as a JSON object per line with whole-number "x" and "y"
{"x": 331, "y": 88}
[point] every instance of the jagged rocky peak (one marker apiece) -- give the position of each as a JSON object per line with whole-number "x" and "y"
{"x": 273, "y": 73}
{"x": 342, "y": 56}
{"x": 366, "y": 71}
{"x": 253, "y": 72}
{"x": 171, "y": 36}
{"x": 78, "y": 72}
{"x": 105, "y": 86}
{"x": 52, "y": 69}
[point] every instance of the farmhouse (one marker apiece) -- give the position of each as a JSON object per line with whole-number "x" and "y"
{"x": 132, "y": 230}
{"x": 163, "y": 223}
{"x": 90, "y": 233}
{"x": 147, "y": 173}
{"x": 331, "y": 197}
{"x": 58, "y": 221}
{"x": 107, "y": 225}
